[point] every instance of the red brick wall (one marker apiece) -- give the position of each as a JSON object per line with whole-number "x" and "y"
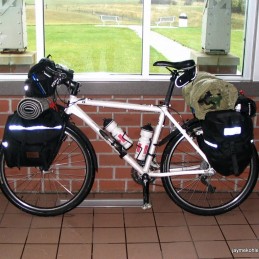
{"x": 114, "y": 173}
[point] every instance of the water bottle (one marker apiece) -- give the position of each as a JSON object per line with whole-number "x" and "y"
{"x": 111, "y": 126}
{"x": 146, "y": 134}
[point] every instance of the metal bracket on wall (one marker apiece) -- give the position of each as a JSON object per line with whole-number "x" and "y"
{"x": 4, "y": 7}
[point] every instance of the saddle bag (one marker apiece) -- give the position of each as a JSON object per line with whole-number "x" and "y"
{"x": 33, "y": 143}
{"x": 227, "y": 141}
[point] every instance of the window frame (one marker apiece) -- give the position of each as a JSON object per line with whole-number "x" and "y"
{"x": 251, "y": 50}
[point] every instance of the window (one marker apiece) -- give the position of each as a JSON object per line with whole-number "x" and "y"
{"x": 95, "y": 36}
{"x": 189, "y": 28}
{"x": 116, "y": 37}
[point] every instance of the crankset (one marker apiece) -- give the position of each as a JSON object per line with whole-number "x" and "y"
{"x": 138, "y": 177}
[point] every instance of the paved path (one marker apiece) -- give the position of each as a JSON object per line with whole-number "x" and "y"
{"x": 172, "y": 50}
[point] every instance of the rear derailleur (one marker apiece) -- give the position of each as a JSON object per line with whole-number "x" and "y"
{"x": 205, "y": 178}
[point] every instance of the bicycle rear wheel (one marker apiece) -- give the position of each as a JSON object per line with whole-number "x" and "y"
{"x": 58, "y": 190}
{"x": 200, "y": 194}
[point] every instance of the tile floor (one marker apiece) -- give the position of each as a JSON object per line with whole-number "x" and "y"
{"x": 164, "y": 231}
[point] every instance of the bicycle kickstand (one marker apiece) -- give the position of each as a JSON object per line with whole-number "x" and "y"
{"x": 145, "y": 181}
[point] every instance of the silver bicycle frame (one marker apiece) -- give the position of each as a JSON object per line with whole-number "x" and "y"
{"x": 162, "y": 111}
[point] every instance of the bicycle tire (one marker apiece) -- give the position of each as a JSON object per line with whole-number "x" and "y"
{"x": 209, "y": 196}
{"x": 63, "y": 187}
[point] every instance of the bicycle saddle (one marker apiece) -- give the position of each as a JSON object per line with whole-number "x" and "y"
{"x": 177, "y": 65}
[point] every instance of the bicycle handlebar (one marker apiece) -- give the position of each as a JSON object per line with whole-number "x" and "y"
{"x": 56, "y": 73}
{"x": 73, "y": 87}
{"x": 64, "y": 76}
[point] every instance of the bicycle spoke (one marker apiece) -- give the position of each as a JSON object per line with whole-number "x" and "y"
{"x": 39, "y": 191}
{"x": 205, "y": 194}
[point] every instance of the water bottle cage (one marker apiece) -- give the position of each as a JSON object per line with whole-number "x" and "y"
{"x": 117, "y": 145}
{"x": 113, "y": 142}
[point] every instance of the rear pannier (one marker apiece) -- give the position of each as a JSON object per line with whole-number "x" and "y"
{"x": 225, "y": 117}
{"x": 227, "y": 141}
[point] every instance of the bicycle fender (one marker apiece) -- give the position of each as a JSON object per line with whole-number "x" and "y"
{"x": 172, "y": 136}
{"x": 168, "y": 138}
{"x": 87, "y": 143}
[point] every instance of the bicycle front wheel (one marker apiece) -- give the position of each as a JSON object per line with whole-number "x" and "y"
{"x": 58, "y": 190}
{"x": 201, "y": 194}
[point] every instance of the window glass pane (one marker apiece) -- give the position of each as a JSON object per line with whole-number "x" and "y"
{"x": 18, "y": 40}
{"x": 189, "y": 28}
{"x": 31, "y": 25}
{"x": 95, "y": 36}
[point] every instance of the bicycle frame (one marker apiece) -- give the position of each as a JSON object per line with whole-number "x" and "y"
{"x": 162, "y": 111}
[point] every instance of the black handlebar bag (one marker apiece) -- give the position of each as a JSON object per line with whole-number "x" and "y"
{"x": 33, "y": 143}
{"x": 39, "y": 82}
{"x": 227, "y": 141}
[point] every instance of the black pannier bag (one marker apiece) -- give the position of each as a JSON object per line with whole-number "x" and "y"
{"x": 227, "y": 141}
{"x": 33, "y": 143}
{"x": 40, "y": 80}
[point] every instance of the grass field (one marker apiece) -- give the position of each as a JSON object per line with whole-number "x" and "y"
{"x": 73, "y": 38}
{"x": 117, "y": 50}
{"x": 92, "y": 49}
{"x": 191, "y": 37}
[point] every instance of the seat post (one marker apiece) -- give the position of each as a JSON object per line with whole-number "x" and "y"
{"x": 170, "y": 88}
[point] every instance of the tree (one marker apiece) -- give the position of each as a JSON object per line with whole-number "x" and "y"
{"x": 188, "y": 2}
{"x": 238, "y": 6}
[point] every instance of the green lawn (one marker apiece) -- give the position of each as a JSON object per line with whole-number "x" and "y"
{"x": 91, "y": 49}
{"x": 117, "y": 50}
{"x": 191, "y": 38}
{"x": 87, "y": 48}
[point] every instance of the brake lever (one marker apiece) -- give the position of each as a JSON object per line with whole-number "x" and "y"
{"x": 58, "y": 74}
{"x": 57, "y": 81}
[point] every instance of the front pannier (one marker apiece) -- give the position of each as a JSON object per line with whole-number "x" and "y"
{"x": 32, "y": 142}
{"x": 227, "y": 141}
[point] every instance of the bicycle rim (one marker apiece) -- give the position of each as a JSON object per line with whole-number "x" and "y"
{"x": 204, "y": 195}
{"x": 56, "y": 191}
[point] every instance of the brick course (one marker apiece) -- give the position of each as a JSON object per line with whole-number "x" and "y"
{"x": 114, "y": 173}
